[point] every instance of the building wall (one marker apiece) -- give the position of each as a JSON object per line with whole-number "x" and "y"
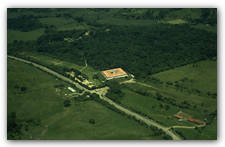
{"x": 116, "y": 77}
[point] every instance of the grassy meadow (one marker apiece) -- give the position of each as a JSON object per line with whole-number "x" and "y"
{"x": 24, "y": 36}
{"x": 170, "y": 52}
{"x": 40, "y": 101}
{"x": 162, "y": 101}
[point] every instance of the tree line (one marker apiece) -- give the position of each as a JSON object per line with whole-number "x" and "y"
{"x": 139, "y": 50}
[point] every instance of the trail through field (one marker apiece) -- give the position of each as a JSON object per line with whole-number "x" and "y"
{"x": 85, "y": 61}
{"x": 128, "y": 81}
{"x": 140, "y": 83}
{"x": 146, "y": 85}
{"x": 101, "y": 92}
{"x": 150, "y": 86}
{"x": 190, "y": 127}
{"x": 44, "y": 131}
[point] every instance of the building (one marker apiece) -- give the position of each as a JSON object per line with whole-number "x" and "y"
{"x": 184, "y": 116}
{"x": 71, "y": 89}
{"x": 114, "y": 73}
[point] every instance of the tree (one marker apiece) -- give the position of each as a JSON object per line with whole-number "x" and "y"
{"x": 95, "y": 76}
{"x": 114, "y": 92}
{"x": 159, "y": 96}
{"x": 91, "y": 121}
{"x": 67, "y": 103}
{"x": 23, "y": 88}
{"x": 167, "y": 107}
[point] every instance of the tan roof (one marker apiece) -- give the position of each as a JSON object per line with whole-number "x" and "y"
{"x": 114, "y": 72}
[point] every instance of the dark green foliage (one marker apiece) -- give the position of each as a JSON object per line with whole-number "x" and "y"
{"x": 210, "y": 117}
{"x": 180, "y": 134}
{"x": 84, "y": 97}
{"x": 91, "y": 121}
{"x": 59, "y": 86}
{"x": 67, "y": 103}
{"x": 95, "y": 76}
{"x": 208, "y": 16}
{"x": 139, "y": 50}
{"x": 156, "y": 131}
{"x": 24, "y": 23}
{"x": 114, "y": 92}
{"x": 16, "y": 126}
{"x": 23, "y": 89}
{"x": 20, "y": 89}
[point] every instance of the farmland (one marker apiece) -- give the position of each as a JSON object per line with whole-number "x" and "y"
{"x": 196, "y": 97}
{"x": 170, "y": 53}
{"x": 40, "y": 102}
{"x": 24, "y": 36}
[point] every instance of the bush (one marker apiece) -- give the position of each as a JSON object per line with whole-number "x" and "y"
{"x": 91, "y": 121}
{"x": 67, "y": 103}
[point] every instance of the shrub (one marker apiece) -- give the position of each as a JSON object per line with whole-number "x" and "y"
{"x": 67, "y": 103}
{"x": 91, "y": 121}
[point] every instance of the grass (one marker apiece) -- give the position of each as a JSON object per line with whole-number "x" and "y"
{"x": 41, "y": 101}
{"x": 40, "y": 91}
{"x": 200, "y": 105}
{"x": 47, "y": 60}
{"x": 203, "y": 77}
{"x": 176, "y": 21}
{"x": 108, "y": 125}
{"x": 198, "y": 75}
{"x": 119, "y": 21}
{"x": 63, "y": 24}
{"x": 74, "y": 26}
{"x": 152, "y": 108}
{"x": 206, "y": 27}
{"x": 24, "y": 36}
{"x": 56, "y": 21}
{"x": 207, "y": 133}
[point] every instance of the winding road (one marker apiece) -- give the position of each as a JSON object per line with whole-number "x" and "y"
{"x": 101, "y": 92}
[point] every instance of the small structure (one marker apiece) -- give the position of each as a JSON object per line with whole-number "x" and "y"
{"x": 184, "y": 116}
{"x": 87, "y": 83}
{"x": 72, "y": 73}
{"x": 114, "y": 73}
{"x": 71, "y": 89}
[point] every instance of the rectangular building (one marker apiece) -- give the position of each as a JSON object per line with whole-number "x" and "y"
{"x": 114, "y": 73}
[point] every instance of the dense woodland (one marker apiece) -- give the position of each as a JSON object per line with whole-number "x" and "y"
{"x": 139, "y": 50}
{"x": 24, "y": 23}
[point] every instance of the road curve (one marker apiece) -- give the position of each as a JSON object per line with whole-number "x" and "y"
{"x": 102, "y": 96}
{"x": 190, "y": 127}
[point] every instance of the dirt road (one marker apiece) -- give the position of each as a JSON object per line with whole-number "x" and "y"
{"x": 140, "y": 83}
{"x": 189, "y": 127}
{"x": 101, "y": 92}
{"x": 85, "y": 62}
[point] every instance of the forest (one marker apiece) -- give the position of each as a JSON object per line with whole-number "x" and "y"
{"x": 170, "y": 55}
{"x": 24, "y": 23}
{"x": 139, "y": 50}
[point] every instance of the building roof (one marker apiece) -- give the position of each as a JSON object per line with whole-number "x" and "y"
{"x": 114, "y": 73}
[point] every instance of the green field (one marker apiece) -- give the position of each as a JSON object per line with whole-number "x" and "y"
{"x": 24, "y": 36}
{"x": 151, "y": 106}
{"x": 50, "y": 61}
{"x": 207, "y": 133}
{"x": 171, "y": 52}
{"x": 201, "y": 105}
{"x": 195, "y": 76}
{"x": 41, "y": 101}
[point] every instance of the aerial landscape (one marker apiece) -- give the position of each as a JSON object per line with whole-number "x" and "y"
{"x": 111, "y": 73}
